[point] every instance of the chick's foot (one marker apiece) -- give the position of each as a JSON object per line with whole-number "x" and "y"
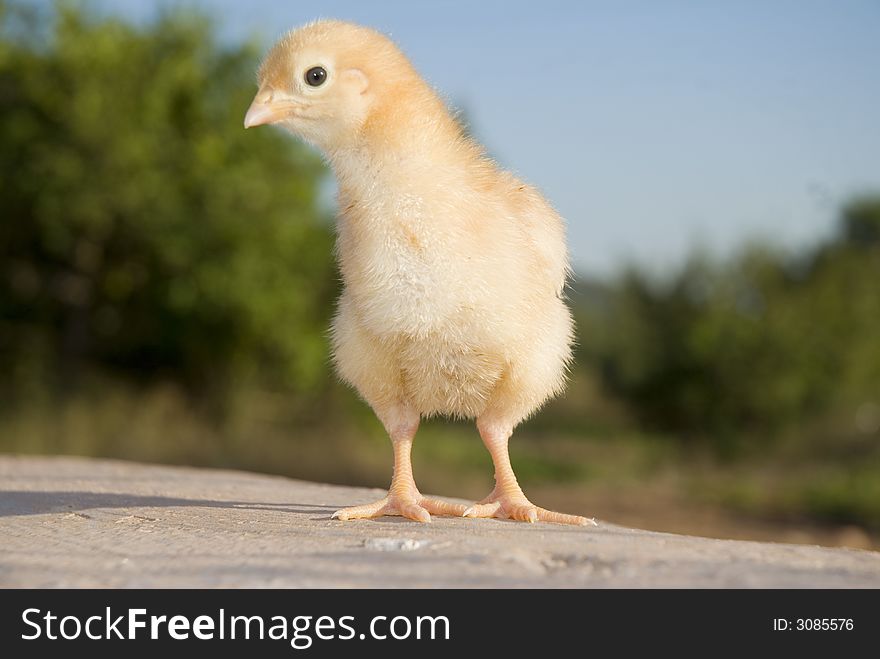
{"x": 410, "y": 505}
{"x": 515, "y": 505}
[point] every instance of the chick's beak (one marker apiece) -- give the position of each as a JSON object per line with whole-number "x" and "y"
{"x": 265, "y": 110}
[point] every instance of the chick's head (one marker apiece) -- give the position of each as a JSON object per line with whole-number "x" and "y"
{"x": 323, "y": 81}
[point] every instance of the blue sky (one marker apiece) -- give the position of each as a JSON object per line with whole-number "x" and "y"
{"x": 654, "y": 127}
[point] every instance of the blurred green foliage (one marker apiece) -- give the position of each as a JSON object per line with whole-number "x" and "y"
{"x": 143, "y": 231}
{"x": 745, "y": 350}
{"x": 154, "y": 256}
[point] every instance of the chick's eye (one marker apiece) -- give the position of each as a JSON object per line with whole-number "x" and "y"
{"x": 316, "y": 76}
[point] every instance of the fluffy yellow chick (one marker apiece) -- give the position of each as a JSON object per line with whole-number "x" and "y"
{"x": 453, "y": 270}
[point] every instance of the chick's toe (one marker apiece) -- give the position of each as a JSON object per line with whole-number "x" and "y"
{"x": 415, "y": 507}
{"x": 517, "y": 507}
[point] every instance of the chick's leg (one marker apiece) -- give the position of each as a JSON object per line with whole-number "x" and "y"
{"x": 403, "y": 496}
{"x": 507, "y": 500}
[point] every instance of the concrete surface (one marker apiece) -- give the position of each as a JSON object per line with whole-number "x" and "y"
{"x": 71, "y": 522}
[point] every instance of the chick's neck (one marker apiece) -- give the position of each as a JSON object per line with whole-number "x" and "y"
{"x": 404, "y": 138}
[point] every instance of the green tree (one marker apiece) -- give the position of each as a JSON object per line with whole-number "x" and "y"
{"x": 143, "y": 231}
{"x": 861, "y": 222}
{"x": 740, "y": 351}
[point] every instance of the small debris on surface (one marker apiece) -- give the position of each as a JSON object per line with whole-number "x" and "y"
{"x": 394, "y": 544}
{"x": 135, "y": 518}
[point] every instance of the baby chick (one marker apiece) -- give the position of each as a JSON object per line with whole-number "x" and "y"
{"x": 453, "y": 270}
